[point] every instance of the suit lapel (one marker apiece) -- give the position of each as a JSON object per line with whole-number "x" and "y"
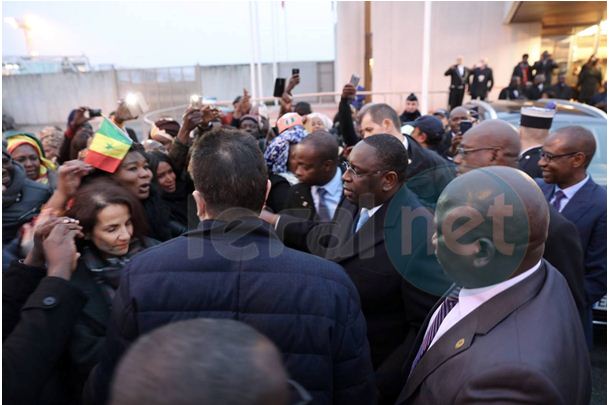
{"x": 576, "y": 206}
{"x": 460, "y": 337}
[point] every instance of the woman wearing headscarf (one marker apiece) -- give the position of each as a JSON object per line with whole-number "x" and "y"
{"x": 27, "y": 150}
{"x": 277, "y": 157}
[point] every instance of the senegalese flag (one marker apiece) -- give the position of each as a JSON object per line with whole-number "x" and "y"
{"x": 108, "y": 148}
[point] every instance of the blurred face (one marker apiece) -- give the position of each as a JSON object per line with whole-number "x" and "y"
{"x": 249, "y": 126}
{"x": 317, "y": 124}
{"x": 135, "y": 175}
{"x": 419, "y": 136}
{"x": 369, "y": 127}
{"x": 50, "y": 147}
{"x": 166, "y": 177}
{"x": 27, "y": 156}
{"x": 7, "y": 170}
{"x": 411, "y": 106}
{"x": 473, "y": 154}
{"x": 455, "y": 120}
{"x": 362, "y": 179}
{"x": 113, "y": 230}
{"x": 309, "y": 168}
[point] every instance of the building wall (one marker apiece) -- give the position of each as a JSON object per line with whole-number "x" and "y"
{"x": 350, "y": 44}
{"x": 48, "y": 98}
{"x": 471, "y": 29}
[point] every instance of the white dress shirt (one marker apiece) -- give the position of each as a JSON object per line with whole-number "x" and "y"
{"x": 470, "y": 299}
{"x": 334, "y": 192}
{"x": 569, "y": 193}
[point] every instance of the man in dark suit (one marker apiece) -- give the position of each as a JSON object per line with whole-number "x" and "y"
{"x": 523, "y": 70}
{"x": 545, "y": 66}
{"x": 565, "y": 157}
{"x": 496, "y": 143}
{"x": 534, "y": 128}
{"x": 234, "y": 266}
{"x": 535, "y": 90}
{"x": 427, "y": 173}
{"x": 507, "y": 331}
{"x": 561, "y": 89}
{"x": 459, "y": 75}
{"x": 481, "y": 81}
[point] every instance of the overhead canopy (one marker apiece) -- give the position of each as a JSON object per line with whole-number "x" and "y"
{"x": 558, "y": 17}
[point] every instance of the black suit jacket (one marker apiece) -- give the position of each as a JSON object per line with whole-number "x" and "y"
{"x": 528, "y": 162}
{"x": 457, "y": 81}
{"x": 394, "y": 307}
{"x": 524, "y": 345}
{"x": 427, "y": 173}
{"x": 481, "y": 82}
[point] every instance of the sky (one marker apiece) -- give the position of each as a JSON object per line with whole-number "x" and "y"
{"x": 163, "y": 33}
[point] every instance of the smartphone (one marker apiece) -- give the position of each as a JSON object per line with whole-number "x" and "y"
{"x": 279, "y": 87}
{"x": 94, "y": 112}
{"x": 196, "y": 101}
{"x": 464, "y": 126}
{"x": 295, "y": 71}
{"x": 354, "y": 80}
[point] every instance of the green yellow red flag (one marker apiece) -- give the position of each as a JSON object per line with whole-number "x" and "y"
{"x": 108, "y": 148}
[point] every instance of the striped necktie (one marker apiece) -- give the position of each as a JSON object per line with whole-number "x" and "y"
{"x": 449, "y": 302}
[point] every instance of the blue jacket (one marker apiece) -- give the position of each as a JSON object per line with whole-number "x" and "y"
{"x": 240, "y": 270}
{"x": 588, "y": 211}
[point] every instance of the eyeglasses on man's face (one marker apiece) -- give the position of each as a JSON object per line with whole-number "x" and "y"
{"x": 465, "y": 151}
{"x": 550, "y": 156}
{"x": 357, "y": 173}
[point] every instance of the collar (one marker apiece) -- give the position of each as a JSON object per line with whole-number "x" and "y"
{"x": 571, "y": 190}
{"x": 405, "y": 141}
{"x": 334, "y": 186}
{"x": 370, "y": 211}
{"x": 522, "y": 152}
{"x": 477, "y": 296}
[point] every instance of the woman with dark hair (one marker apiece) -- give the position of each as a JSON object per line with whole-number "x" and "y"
{"x": 176, "y": 189}
{"x": 113, "y": 226}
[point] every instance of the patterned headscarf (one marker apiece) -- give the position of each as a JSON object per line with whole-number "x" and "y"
{"x": 277, "y": 153}
{"x": 17, "y": 139}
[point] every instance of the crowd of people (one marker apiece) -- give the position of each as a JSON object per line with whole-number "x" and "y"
{"x": 369, "y": 258}
{"x": 529, "y": 82}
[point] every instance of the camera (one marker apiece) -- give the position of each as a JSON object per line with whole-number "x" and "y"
{"x": 295, "y": 71}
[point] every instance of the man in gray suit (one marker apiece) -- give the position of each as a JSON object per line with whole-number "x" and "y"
{"x": 509, "y": 331}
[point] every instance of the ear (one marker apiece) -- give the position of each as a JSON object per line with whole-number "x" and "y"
{"x": 579, "y": 159}
{"x": 387, "y": 125}
{"x": 485, "y": 254}
{"x": 201, "y": 205}
{"x": 390, "y": 181}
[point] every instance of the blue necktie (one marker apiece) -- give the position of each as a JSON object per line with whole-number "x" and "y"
{"x": 363, "y": 217}
{"x": 558, "y": 197}
{"x": 322, "y": 210}
{"x": 449, "y": 302}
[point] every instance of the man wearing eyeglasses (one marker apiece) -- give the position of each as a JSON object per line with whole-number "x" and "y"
{"x": 362, "y": 239}
{"x": 564, "y": 160}
{"x": 496, "y": 143}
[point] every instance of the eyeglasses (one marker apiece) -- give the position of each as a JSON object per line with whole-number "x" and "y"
{"x": 550, "y": 156}
{"x": 299, "y": 394}
{"x": 355, "y": 173}
{"x": 463, "y": 152}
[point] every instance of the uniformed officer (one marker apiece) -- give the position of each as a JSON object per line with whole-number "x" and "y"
{"x": 535, "y": 123}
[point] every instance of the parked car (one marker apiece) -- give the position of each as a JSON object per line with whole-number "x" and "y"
{"x": 567, "y": 113}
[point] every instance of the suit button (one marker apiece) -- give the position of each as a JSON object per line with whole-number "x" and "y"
{"x": 48, "y": 301}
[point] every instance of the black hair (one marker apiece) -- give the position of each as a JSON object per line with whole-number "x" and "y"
{"x": 381, "y": 111}
{"x": 391, "y": 153}
{"x": 583, "y": 139}
{"x": 229, "y": 171}
{"x": 324, "y": 143}
{"x": 303, "y": 108}
{"x": 156, "y": 157}
{"x": 240, "y": 366}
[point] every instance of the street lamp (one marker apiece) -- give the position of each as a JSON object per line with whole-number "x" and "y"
{"x": 23, "y": 25}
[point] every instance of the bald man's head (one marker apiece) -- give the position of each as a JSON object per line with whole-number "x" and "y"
{"x": 492, "y": 225}
{"x": 490, "y": 143}
{"x": 580, "y": 139}
{"x": 457, "y": 115}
